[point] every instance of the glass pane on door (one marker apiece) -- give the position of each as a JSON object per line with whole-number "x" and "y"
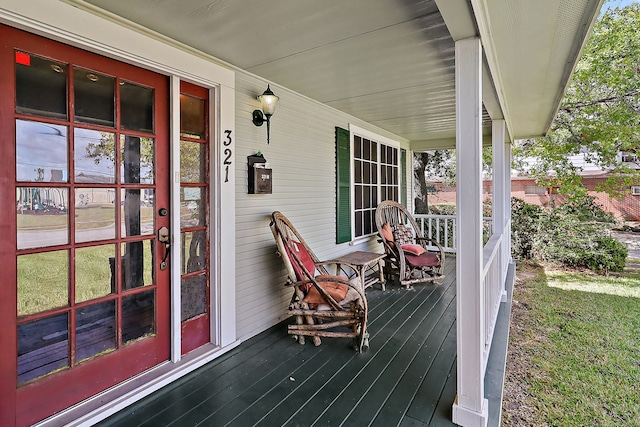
{"x": 41, "y": 86}
{"x": 41, "y": 152}
{"x": 42, "y": 215}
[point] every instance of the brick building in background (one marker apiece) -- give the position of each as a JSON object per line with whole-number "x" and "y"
{"x": 625, "y": 208}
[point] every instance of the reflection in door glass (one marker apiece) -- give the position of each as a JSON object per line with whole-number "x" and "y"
{"x": 41, "y": 152}
{"x": 48, "y": 336}
{"x": 192, "y": 207}
{"x": 41, "y": 86}
{"x": 138, "y": 314}
{"x": 43, "y": 281}
{"x": 136, "y": 107}
{"x": 94, "y": 97}
{"x": 192, "y": 117}
{"x": 94, "y": 156}
{"x": 137, "y": 264}
{"x": 193, "y": 251}
{"x": 136, "y": 163}
{"x": 95, "y": 214}
{"x": 193, "y": 162}
{"x": 42, "y": 215}
{"x": 95, "y": 330}
{"x": 137, "y": 212}
{"x": 94, "y": 272}
{"x": 193, "y": 291}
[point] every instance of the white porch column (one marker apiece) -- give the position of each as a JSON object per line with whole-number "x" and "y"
{"x": 470, "y": 407}
{"x": 507, "y": 206}
{"x": 501, "y": 199}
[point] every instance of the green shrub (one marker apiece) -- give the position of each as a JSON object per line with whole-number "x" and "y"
{"x": 524, "y": 227}
{"x": 568, "y": 235}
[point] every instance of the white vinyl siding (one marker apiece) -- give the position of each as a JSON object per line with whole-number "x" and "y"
{"x": 302, "y": 157}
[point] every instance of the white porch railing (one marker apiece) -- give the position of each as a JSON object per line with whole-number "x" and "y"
{"x": 496, "y": 256}
{"x": 443, "y": 229}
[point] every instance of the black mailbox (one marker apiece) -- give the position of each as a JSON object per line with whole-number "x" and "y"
{"x": 259, "y": 175}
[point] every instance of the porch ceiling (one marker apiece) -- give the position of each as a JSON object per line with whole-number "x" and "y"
{"x": 388, "y": 62}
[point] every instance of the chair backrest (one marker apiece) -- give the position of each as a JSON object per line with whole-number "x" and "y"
{"x": 298, "y": 257}
{"x": 394, "y": 214}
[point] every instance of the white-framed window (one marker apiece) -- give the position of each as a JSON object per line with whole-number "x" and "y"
{"x": 635, "y": 190}
{"x": 375, "y": 170}
{"x": 535, "y": 190}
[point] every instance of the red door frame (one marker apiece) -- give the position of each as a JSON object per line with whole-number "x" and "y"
{"x": 196, "y": 332}
{"x": 42, "y": 398}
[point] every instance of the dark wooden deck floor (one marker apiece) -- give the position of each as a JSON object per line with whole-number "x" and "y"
{"x": 407, "y": 378}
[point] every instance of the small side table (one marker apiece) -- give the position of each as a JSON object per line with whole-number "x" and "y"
{"x": 364, "y": 261}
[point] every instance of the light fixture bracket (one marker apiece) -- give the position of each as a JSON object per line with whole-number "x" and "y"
{"x": 258, "y": 118}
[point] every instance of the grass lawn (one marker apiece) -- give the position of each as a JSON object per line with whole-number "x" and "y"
{"x": 574, "y": 351}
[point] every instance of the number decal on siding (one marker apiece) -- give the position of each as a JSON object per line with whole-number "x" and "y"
{"x": 228, "y": 153}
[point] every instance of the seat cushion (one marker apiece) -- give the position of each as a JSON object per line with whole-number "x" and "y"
{"x": 413, "y": 249}
{"x": 337, "y": 291}
{"x": 427, "y": 259}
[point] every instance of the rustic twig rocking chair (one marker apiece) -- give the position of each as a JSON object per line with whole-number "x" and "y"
{"x": 324, "y": 305}
{"x": 406, "y": 248}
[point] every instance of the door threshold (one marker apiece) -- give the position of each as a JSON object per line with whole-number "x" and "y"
{"x": 114, "y": 399}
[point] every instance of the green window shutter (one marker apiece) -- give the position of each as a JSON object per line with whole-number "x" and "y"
{"x": 343, "y": 186}
{"x": 403, "y": 175}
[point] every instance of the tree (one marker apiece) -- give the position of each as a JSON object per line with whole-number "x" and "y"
{"x": 598, "y": 116}
{"x": 438, "y": 166}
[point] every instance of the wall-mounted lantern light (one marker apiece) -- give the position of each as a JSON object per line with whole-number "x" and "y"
{"x": 268, "y": 100}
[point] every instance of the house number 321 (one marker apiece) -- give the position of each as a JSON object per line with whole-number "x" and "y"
{"x": 227, "y": 154}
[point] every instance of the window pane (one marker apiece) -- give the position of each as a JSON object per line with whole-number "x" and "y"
{"x": 42, "y": 217}
{"x": 94, "y": 156}
{"x": 95, "y": 214}
{"x": 366, "y": 173}
{"x": 194, "y": 296}
{"x": 137, "y": 264}
{"x": 136, "y": 212}
{"x": 367, "y": 222}
{"x": 43, "y": 346}
{"x": 374, "y": 151}
{"x": 357, "y": 173}
{"x": 193, "y": 162}
{"x": 374, "y": 173}
{"x": 358, "y": 225}
{"x": 366, "y": 145}
{"x": 94, "y": 97}
{"x": 358, "y": 196}
{"x": 357, "y": 147}
{"x": 366, "y": 203}
{"x": 95, "y": 330}
{"x": 192, "y": 207}
{"x": 137, "y": 160}
{"x": 43, "y": 281}
{"x": 138, "y": 314}
{"x": 136, "y": 107}
{"x": 192, "y": 117}
{"x": 193, "y": 251}
{"x": 41, "y": 152}
{"x": 41, "y": 86}
{"x": 94, "y": 278}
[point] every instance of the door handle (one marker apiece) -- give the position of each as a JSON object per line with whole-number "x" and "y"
{"x": 164, "y": 237}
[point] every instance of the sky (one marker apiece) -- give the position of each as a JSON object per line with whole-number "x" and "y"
{"x": 619, "y": 3}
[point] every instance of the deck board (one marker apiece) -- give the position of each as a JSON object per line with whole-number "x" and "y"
{"x": 407, "y": 377}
